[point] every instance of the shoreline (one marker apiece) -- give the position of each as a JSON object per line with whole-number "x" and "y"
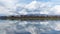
{"x": 24, "y": 17}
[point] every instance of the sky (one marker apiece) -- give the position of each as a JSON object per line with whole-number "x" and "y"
{"x": 24, "y": 7}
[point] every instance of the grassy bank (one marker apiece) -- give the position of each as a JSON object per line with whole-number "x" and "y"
{"x": 25, "y": 17}
{"x": 37, "y": 18}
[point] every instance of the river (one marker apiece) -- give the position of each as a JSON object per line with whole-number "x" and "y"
{"x": 30, "y": 27}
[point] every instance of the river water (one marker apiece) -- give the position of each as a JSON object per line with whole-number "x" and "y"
{"x": 30, "y": 27}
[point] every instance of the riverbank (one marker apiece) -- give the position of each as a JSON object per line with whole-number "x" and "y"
{"x": 24, "y": 17}
{"x": 34, "y": 18}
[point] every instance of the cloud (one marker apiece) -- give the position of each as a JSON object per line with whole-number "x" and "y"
{"x": 23, "y": 12}
{"x": 9, "y": 7}
{"x": 8, "y": 3}
{"x": 55, "y": 10}
{"x": 6, "y": 6}
{"x": 36, "y": 7}
{"x": 33, "y": 5}
{"x": 48, "y": 8}
{"x": 4, "y": 11}
{"x": 12, "y": 7}
{"x": 57, "y": 27}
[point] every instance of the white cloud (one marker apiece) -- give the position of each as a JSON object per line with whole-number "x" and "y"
{"x": 23, "y": 12}
{"x": 57, "y": 27}
{"x": 57, "y": 9}
{"x": 9, "y": 5}
{"x": 4, "y": 11}
{"x": 33, "y": 5}
{"x": 41, "y": 7}
{"x": 44, "y": 8}
{"x": 44, "y": 23}
{"x": 45, "y": 12}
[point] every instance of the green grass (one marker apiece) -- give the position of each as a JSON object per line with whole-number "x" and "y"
{"x": 35, "y": 18}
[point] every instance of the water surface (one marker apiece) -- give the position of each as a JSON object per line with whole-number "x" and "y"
{"x": 30, "y": 27}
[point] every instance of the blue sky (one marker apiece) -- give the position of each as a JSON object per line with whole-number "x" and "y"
{"x": 14, "y": 7}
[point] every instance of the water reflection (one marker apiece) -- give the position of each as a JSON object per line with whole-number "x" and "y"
{"x": 29, "y": 27}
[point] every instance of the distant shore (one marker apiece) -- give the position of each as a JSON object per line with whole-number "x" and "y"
{"x": 32, "y": 17}
{"x": 24, "y": 17}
